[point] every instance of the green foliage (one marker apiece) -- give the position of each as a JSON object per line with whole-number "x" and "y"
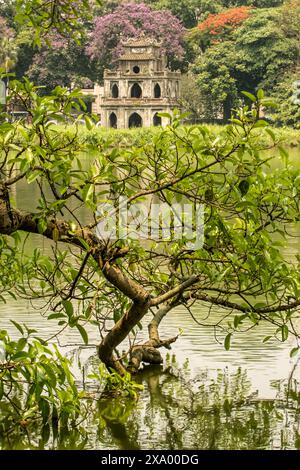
{"x": 287, "y": 94}
{"x": 214, "y": 407}
{"x": 191, "y": 96}
{"x": 227, "y": 342}
{"x": 115, "y": 384}
{"x": 188, "y": 11}
{"x": 36, "y": 385}
{"x": 43, "y": 17}
{"x": 191, "y": 12}
{"x": 250, "y": 204}
{"x": 215, "y": 79}
{"x": 61, "y": 63}
{"x": 256, "y": 55}
{"x": 125, "y": 138}
{"x": 239, "y": 246}
{"x": 9, "y": 266}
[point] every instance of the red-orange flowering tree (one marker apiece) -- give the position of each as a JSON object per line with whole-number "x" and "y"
{"x": 218, "y": 26}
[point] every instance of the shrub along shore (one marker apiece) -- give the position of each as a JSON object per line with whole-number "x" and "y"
{"x": 289, "y": 137}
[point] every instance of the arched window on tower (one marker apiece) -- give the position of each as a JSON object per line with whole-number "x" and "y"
{"x": 156, "y": 120}
{"x": 136, "y": 91}
{"x": 113, "y": 120}
{"x": 157, "y": 91}
{"x": 115, "y": 91}
{"x": 135, "y": 120}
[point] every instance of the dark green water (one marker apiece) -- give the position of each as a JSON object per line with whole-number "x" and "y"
{"x": 202, "y": 398}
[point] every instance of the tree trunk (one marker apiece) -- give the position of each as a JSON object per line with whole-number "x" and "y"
{"x": 227, "y": 106}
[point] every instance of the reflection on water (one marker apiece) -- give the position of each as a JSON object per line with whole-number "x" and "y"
{"x": 264, "y": 362}
{"x": 228, "y": 399}
{"x": 209, "y": 411}
{"x": 212, "y": 411}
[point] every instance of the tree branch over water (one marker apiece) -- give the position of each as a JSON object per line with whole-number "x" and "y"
{"x": 112, "y": 281}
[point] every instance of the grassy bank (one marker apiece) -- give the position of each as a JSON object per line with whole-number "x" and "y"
{"x": 128, "y": 137}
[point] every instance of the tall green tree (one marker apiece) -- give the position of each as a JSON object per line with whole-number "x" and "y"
{"x": 191, "y": 12}
{"x": 287, "y": 95}
{"x": 254, "y": 3}
{"x": 62, "y": 62}
{"x": 254, "y": 55}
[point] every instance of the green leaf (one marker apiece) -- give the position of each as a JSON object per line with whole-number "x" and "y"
{"x": 45, "y": 409}
{"x": 270, "y": 104}
{"x": 284, "y": 332}
{"x": 227, "y": 341}
{"x": 32, "y": 176}
{"x": 284, "y": 154}
{"x": 250, "y": 96}
{"x": 260, "y": 123}
{"x": 87, "y": 193}
{"x": 166, "y": 115}
{"x": 20, "y": 355}
{"x": 50, "y": 374}
{"x": 21, "y": 344}
{"x": 294, "y": 352}
{"x": 260, "y": 94}
{"x": 55, "y": 234}
{"x": 45, "y": 433}
{"x": 237, "y": 122}
{"x": 68, "y": 306}
{"x": 18, "y": 326}
{"x": 238, "y": 319}
{"x": 84, "y": 244}
{"x": 83, "y": 333}
{"x": 254, "y": 317}
{"x": 42, "y": 226}
{"x": 117, "y": 314}
{"x": 271, "y": 134}
{"x": 88, "y": 122}
{"x": 266, "y": 339}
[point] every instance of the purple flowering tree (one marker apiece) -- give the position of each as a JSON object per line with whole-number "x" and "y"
{"x": 8, "y": 48}
{"x": 131, "y": 20}
{"x": 4, "y": 30}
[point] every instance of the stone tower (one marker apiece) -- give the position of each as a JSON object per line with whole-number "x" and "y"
{"x": 138, "y": 88}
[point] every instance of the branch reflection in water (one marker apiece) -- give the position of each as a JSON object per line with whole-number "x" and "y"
{"x": 214, "y": 410}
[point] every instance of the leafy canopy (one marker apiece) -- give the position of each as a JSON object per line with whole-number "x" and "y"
{"x": 132, "y": 20}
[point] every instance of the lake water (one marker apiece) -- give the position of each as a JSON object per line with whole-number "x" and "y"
{"x": 203, "y": 397}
